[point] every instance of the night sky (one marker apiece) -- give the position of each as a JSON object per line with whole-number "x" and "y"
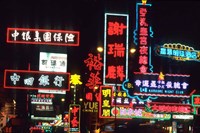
{"x": 172, "y": 21}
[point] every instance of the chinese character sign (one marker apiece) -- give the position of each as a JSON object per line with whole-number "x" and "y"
{"x": 24, "y": 79}
{"x": 74, "y": 113}
{"x": 105, "y": 104}
{"x": 142, "y": 36}
{"x": 107, "y": 110}
{"x": 196, "y": 100}
{"x": 55, "y": 62}
{"x": 178, "y": 52}
{"x": 154, "y": 84}
{"x": 170, "y": 107}
{"x": 43, "y": 36}
{"x": 116, "y": 49}
{"x": 93, "y": 81}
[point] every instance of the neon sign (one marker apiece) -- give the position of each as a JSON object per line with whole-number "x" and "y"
{"x": 170, "y": 107}
{"x": 107, "y": 110}
{"x": 24, "y": 79}
{"x": 43, "y": 36}
{"x": 152, "y": 84}
{"x": 196, "y": 100}
{"x": 94, "y": 65}
{"x": 142, "y": 35}
{"x": 178, "y": 52}
{"x": 183, "y": 117}
{"x": 115, "y": 49}
{"x": 74, "y": 114}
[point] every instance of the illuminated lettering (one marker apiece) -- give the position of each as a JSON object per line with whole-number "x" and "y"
{"x": 106, "y": 112}
{"x": 115, "y": 28}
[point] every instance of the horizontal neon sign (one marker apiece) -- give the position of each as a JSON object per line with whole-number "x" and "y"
{"x": 24, "y": 79}
{"x": 170, "y": 107}
{"x": 178, "y": 52}
{"x": 183, "y": 117}
{"x": 153, "y": 85}
{"x": 43, "y": 36}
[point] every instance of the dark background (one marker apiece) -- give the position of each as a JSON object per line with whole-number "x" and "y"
{"x": 172, "y": 21}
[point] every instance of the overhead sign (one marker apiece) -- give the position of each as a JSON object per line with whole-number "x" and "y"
{"x": 115, "y": 49}
{"x": 43, "y": 36}
{"x": 155, "y": 84}
{"x": 55, "y": 62}
{"x": 178, "y": 52}
{"x": 24, "y": 79}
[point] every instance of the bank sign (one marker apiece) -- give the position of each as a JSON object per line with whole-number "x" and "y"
{"x": 24, "y": 79}
{"x": 155, "y": 84}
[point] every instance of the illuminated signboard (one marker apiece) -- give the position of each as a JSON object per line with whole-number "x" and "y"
{"x": 178, "y": 52}
{"x": 42, "y": 105}
{"x": 94, "y": 80}
{"x": 107, "y": 110}
{"x": 55, "y": 62}
{"x": 24, "y": 79}
{"x": 42, "y": 36}
{"x": 183, "y": 117}
{"x": 142, "y": 34}
{"x": 196, "y": 100}
{"x": 154, "y": 84}
{"x": 170, "y": 107}
{"x": 121, "y": 99}
{"x": 74, "y": 119}
{"x": 115, "y": 48}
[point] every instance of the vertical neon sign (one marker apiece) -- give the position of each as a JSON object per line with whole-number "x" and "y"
{"x": 142, "y": 35}
{"x": 115, "y": 49}
{"x": 94, "y": 64}
{"x": 105, "y": 101}
{"x": 75, "y": 112}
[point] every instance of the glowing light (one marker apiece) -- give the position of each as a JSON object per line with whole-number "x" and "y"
{"x": 132, "y": 50}
{"x": 75, "y": 79}
{"x": 100, "y": 49}
{"x": 62, "y": 100}
{"x": 161, "y": 76}
{"x": 144, "y": 2}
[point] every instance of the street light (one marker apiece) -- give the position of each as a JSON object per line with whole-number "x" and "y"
{"x": 100, "y": 49}
{"x": 132, "y": 50}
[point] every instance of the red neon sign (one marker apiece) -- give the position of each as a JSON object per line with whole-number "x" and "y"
{"x": 170, "y": 107}
{"x": 43, "y": 36}
{"x": 116, "y": 43}
{"x": 74, "y": 118}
